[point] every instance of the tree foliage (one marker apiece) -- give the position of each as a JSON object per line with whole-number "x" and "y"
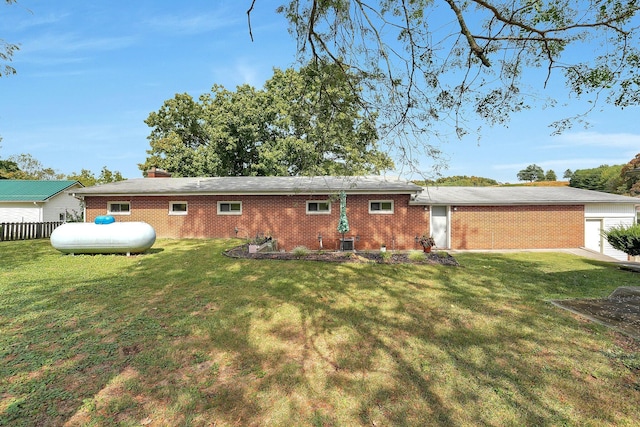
{"x": 531, "y": 173}
{"x": 25, "y": 166}
{"x": 567, "y": 174}
{"x": 604, "y": 178}
{"x": 550, "y": 175}
{"x": 625, "y": 238}
{"x": 429, "y": 63}
{"x": 305, "y": 122}
{"x": 8, "y": 169}
{"x": 88, "y": 178}
{"x": 630, "y": 176}
{"x": 31, "y": 168}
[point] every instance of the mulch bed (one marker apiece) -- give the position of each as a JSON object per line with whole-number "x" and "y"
{"x": 619, "y": 311}
{"x": 442, "y": 258}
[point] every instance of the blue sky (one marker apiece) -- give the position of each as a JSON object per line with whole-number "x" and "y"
{"x": 90, "y": 72}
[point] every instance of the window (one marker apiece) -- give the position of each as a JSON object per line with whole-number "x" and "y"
{"x": 177, "y": 208}
{"x": 381, "y": 206}
{"x": 318, "y": 207}
{"x": 229, "y": 208}
{"x": 119, "y": 208}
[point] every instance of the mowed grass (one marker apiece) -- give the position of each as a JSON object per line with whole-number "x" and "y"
{"x": 183, "y": 335}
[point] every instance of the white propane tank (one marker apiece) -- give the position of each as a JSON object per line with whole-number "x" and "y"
{"x": 103, "y": 237}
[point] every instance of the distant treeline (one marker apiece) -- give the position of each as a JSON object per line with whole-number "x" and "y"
{"x": 459, "y": 181}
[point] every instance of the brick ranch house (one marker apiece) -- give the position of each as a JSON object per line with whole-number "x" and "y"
{"x": 381, "y": 211}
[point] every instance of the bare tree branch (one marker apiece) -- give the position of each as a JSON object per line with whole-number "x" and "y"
{"x": 253, "y": 3}
{"x": 477, "y": 50}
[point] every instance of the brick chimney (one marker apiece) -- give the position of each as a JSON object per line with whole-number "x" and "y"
{"x": 155, "y": 172}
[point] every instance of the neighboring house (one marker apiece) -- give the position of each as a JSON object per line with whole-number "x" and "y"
{"x": 381, "y": 211}
{"x": 38, "y": 201}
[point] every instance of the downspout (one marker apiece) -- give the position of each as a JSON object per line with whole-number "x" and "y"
{"x": 40, "y": 213}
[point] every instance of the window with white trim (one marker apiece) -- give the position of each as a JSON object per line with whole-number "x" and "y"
{"x": 229, "y": 208}
{"x": 119, "y": 208}
{"x": 318, "y": 207}
{"x": 380, "y": 206}
{"x": 178, "y": 208}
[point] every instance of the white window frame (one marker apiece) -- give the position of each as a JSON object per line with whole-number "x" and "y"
{"x": 229, "y": 212}
{"x": 173, "y": 212}
{"x": 319, "y": 212}
{"x": 116, "y": 202}
{"x": 381, "y": 211}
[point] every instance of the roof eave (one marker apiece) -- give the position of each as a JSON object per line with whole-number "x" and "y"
{"x": 241, "y": 193}
{"x": 512, "y": 203}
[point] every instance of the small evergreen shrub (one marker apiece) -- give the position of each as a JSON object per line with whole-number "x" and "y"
{"x": 300, "y": 251}
{"x": 416, "y": 255}
{"x": 386, "y": 256}
{"x": 624, "y": 238}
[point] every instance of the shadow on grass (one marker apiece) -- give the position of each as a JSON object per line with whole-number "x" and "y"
{"x": 16, "y": 254}
{"x": 184, "y": 335}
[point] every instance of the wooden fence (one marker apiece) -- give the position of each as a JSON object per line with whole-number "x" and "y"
{"x": 27, "y": 230}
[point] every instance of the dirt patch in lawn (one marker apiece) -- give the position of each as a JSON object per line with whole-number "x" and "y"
{"x": 439, "y": 257}
{"x": 619, "y": 311}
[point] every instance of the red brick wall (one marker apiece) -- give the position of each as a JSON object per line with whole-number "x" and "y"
{"x": 517, "y": 227}
{"x": 284, "y": 217}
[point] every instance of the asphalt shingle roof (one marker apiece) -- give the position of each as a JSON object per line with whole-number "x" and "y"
{"x": 254, "y": 185}
{"x": 491, "y": 196}
{"x": 14, "y": 190}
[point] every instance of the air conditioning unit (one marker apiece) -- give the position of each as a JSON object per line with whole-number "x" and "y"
{"x": 347, "y": 244}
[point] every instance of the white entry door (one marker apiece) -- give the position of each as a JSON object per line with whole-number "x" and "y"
{"x": 592, "y": 236}
{"x": 440, "y": 226}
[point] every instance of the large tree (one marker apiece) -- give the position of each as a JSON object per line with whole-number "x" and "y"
{"x": 531, "y": 173}
{"x": 305, "y": 122}
{"x": 435, "y": 65}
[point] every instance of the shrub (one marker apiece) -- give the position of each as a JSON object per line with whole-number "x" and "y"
{"x": 416, "y": 255}
{"x": 386, "y": 256}
{"x": 300, "y": 251}
{"x": 624, "y": 238}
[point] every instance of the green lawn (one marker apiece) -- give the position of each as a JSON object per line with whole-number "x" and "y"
{"x": 183, "y": 335}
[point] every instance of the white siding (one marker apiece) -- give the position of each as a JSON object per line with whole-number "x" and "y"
{"x": 20, "y": 212}
{"x": 611, "y": 215}
{"x": 607, "y": 210}
{"x": 59, "y": 205}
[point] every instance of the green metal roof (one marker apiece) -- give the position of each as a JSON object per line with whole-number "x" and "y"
{"x": 14, "y": 190}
